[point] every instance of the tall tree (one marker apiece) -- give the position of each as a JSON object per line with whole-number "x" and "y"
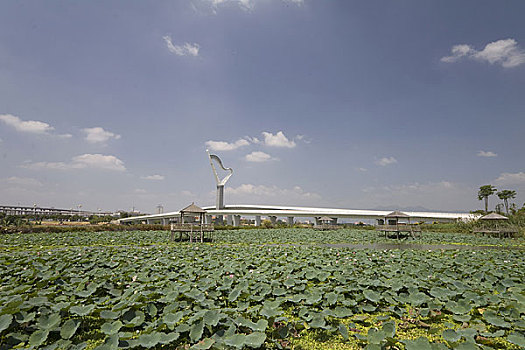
{"x": 505, "y": 195}
{"x": 484, "y": 193}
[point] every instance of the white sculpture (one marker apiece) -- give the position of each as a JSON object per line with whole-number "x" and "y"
{"x": 219, "y": 204}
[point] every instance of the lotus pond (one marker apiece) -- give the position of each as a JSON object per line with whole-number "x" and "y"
{"x": 120, "y": 290}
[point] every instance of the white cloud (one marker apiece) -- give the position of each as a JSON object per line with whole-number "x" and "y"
{"x": 84, "y": 161}
{"x": 258, "y": 157}
{"x": 225, "y": 146}
{"x": 22, "y": 181}
{"x": 386, "y": 161}
{"x": 29, "y": 126}
{"x": 504, "y": 52}
{"x": 99, "y": 135}
{"x": 277, "y": 140}
{"x": 155, "y": 177}
{"x": 487, "y": 154}
{"x": 186, "y": 49}
{"x": 511, "y": 179}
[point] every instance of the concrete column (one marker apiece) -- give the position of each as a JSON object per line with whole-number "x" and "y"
{"x": 219, "y": 203}
{"x": 257, "y": 220}
{"x": 273, "y": 219}
{"x": 164, "y": 221}
{"x": 236, "y": 220}
{"x": 334, "y": 221}
{"x": 290, "y": 221}
{"x": 229, "y": 220}
{"x": 148, "y": 221}
{"x": 207, "y": 219}
{"x": 317, "y": 222}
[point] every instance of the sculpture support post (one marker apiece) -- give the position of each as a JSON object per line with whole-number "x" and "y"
{"x": 219, "y": 204}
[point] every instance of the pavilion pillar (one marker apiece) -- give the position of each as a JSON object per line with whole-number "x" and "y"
{"x": 236, "y": 220}
{"x": 334, "y": 221}
{"x": 257, "y": 220}
{"x": 290, "y": 220}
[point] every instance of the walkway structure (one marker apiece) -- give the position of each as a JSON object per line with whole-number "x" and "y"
{"x": 233, "y": 213}
{"x": 272, "y": 212}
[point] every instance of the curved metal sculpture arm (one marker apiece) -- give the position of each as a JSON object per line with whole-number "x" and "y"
{"x": 219, "y": 161}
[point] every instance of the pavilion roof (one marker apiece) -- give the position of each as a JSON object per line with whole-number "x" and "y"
{"x": 493, "y": 216}
{"x": 192, "y": 208}
{"x": 397, "y": 214}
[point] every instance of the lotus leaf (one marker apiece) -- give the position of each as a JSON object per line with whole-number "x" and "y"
{"x": 5, "y": 321}
{"x": 451, "y": 335}
{"x": 196, "y": 331}
{"x": 111, "y": 328}
{"x": 418, "y": 344}
{"x": 516, "y": 338}
{"x": 82, "y": 310}
{"x": 69, "y": 328}
{"x": 204, "y": 344}
{"x": 38, "y": 337}
{"x": 237, "y": 340}
{"x": 48, "y": 321}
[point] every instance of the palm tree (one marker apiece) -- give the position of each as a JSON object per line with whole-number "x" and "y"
{"x": 484, "y": 193}
{"x": 505, "y": 195}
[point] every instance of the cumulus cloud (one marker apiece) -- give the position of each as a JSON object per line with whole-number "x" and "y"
{"x": 30, "y": 126}
{"x": 268, "y": 139}
{"x": 258, "y": 157}
{"x": 225, "y": 146}
{"x": 187, "y": 49}
{"x": 155, "y": 177}
{"x": 278, "y": 140}
{"x": 386, "y": 161}
{"x": 504, "y": 52}
{"x": 487, "y": 154}
{"x": 84, "y": 161}
{"x": 99, "y": 135}
{"x": 511, "y": 179}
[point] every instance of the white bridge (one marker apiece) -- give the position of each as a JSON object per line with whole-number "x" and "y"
{"x": 233, "y": 213}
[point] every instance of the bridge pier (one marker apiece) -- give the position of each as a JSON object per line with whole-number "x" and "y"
{"x": 229, "y": 220}
{"x": 236, "y": 220}
{"x": 290, "y": 220}
{"x": 257, "y": 220}
{"x": 207, "y": 219}
{"x": 273, "y": 219}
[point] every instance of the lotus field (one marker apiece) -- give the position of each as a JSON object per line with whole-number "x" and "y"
{"x": 276, "y": 289}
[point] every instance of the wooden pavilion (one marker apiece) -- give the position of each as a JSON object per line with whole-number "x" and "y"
{"x": 325, "y": 224}
{"x": 492, "y": 226}
{"x": 192, "y": 225}
{"x": 393, "y": 224}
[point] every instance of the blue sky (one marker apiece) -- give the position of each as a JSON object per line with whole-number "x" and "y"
{"x": 352, "y": 104}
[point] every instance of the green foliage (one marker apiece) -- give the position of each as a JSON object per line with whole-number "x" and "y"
{"x": 484, "y": 193}
{"x": 68, "y": 290}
